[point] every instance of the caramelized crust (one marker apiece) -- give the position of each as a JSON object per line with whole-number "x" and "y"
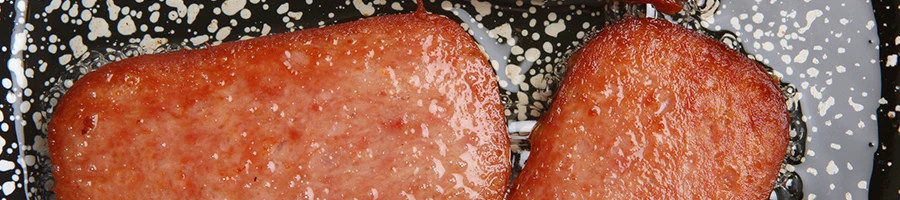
{"x": 651, "y": 110}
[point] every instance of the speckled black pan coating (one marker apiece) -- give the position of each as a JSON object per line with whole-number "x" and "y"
{"x": 839, "y": 129}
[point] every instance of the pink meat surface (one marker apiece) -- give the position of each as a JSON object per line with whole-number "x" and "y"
{"x": 387, "y": 107}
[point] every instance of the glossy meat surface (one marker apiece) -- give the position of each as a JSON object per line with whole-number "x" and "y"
{"x": 387, "y": 107}
{"x": 651, "y": 110}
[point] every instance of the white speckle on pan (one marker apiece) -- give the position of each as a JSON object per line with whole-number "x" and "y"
{"x": 6, "y": 165}
{"x": 232, "y": 7}
{"x": 848, "y": 196}
{"x": 810, "y": 17}
{"x": 9, "y": 187}
{"x": 99, "y": 28}
{"x": 825, "y": 105}
{"x": 265, "y": 30}
{"x": 516, "y": 50}
{"x": 735, "y": 23}
{"x": 801, "y": 57}
{"x": 245, "y": 13}
{"x": 366, "y": 9}
{"x": 811, "y": 197}
{"x": 815, "y": 92}
{"x": 840, "y": 69}
{"x": 515, "y": 74}
{"x": 173, "y": 16}
{"x": 786, "y": 59}
{"x": 223, "y": 33}
{"x": 548, "y": 47}
{"x": 758, "y": 18}
{"x": 856, "y": 107}
{"x": 88, "y": 3}
{"x": 150, "y": 43}
{"x": 396, "y": 6}
{"x": 179, "y": 6}
{"x": 862, "y": 185}
{"x": 768, "y": 46}
{"x": 283, "y": 8}
{"x": 844, "y": 21}
{"x": 831, "y": 168}
{"x": 40, "y": 144}
{"x": 555, "y": 28}
{"x": 505, "y": 31}
{"x": 153, "y": 7}
{"x": 30, "y": 160}
{"x": 295, "y": 15}
{"x": 213, "y": 26}
{"x": 77, "y": 46}
{"x": 54, "y": 4}
{"x": 483, "y": 8}
{"x": 446, "y": 5}
{"x": 73, "y": 12}
{"x": 11, "y": 97}
{"x": 192, "y": 12}
{"x": 64, "y": 59}
{"x": 891, "y": 60}
{"x": 126, "y": 26}
{"x": 532, "y": 54}
{"x": 154, "y": 16}
{"x": 835, "y": 146}
{"x": 812, "y": 171}
{"x": 758, "y": 34}
{"x": 812, "y": 72}
{"x": 200, "y": 39}
{"x": 86, "y": 15}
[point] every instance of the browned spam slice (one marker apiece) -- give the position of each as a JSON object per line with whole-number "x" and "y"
{"x": 651, "y": 110}
{"x": 387, "y": 107}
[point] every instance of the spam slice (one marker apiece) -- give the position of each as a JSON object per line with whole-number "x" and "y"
{"x": 651, "y": 110}
{"x": 389, "y": 107}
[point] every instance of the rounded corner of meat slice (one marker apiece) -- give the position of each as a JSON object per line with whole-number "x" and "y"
{"x": 385, "y": 107}
{"x": 651, "y": 110}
